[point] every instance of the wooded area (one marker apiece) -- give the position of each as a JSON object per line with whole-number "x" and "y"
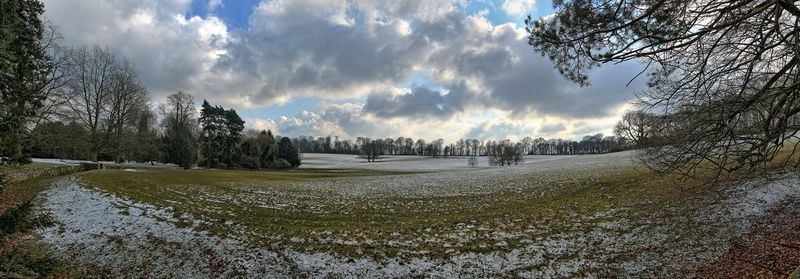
{"x": 86, "y": 103}
{"x": 723, "y": 76}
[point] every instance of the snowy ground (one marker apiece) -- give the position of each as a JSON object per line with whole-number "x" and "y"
{"x": 98, "y": 230}
{"x": 405, "y": 163}
{"x": 130, "y": 165}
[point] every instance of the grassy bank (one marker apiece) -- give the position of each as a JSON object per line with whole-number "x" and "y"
{"x": 21, "y": 254}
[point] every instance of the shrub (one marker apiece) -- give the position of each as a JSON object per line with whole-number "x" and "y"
{"x": 472, "y": 161}
{"x": 279, "y": 163}
{"x": 251, "y": 163}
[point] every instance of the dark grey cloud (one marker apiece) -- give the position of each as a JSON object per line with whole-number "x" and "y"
{"x": 421, "y": 102}
{"x": 498, "y": 131}
{"x": 552, "y": 128}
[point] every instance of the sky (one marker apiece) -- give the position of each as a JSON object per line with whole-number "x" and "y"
{"x": 417, "y": 68}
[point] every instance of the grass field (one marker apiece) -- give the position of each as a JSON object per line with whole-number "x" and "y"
{"x": 570, "y": 216}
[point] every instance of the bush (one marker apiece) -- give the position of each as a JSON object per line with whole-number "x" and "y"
{"x": 248, "y": 162}
{"x": 279, "y": 163}
{"x": 472, "y": 161}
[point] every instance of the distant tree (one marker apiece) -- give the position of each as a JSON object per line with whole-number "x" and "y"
{"x": 23, "y": 71}
{"x": 258, "y": 149}
{"x": 370, "y": 150}
{"x": 270, "y": 151}
{"x": 147, "y": 145}
{"x": 636, "y": 126}
{"x": 57, "y": 139}
{"x": 180, "y": 146}
{"x": 472, "y": 161}
{"x": 288, "y": 152}
{"x": 234, "y": 126}
{"x": 220, "y": 135}
{"x": 724, "y": 75}
{"x": 212, "y": 138}
{"x": 53, "y": 87}
{"x": 89, "y": 84}
{"x": 180, "y": 129}
{"x": 128, "y": 101}
{"x": 505, "y": 154}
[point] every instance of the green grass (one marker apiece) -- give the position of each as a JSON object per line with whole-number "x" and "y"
{"x": 317, "y": 217}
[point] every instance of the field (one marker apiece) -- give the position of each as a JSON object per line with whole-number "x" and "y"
{"x": 553, "y": 216}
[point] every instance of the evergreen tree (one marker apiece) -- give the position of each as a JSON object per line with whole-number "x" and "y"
{"x": 23, "y": 61}
{"x": 288, "y": 152}
{"x": 210, "y": 134}
{"x": 220, "y": 136}
{"x": 180, "y": 147}
{"x": 233, "y": 126}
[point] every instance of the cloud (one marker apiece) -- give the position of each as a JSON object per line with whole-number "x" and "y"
{"x": 499, "y": 131}
{"x": 421, "y": 102}
{"x": 212, "y": 5}
{"x": 357, "y": 57}
{"x": 169, "y": 50}
{"x": 518, "y": 7}
{"x": 552, "y": 128}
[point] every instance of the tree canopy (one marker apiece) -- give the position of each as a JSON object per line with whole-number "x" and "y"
{"x": 723, "y": 75}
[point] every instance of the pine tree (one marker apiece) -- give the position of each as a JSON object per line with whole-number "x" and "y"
{"x": 22, "y": 64}
{"x": 288, "y": 152}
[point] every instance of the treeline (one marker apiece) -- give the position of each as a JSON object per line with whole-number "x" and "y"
{"x": 591, "y": 144}
{"x": 86, "y": 103}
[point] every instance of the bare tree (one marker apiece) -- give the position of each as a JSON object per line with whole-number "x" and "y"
{"x": 723, "y": 75}
{"x": 180, "y": 129}
{"x": 635, "y": 126}
{"x": 127, "y": 101}
{"x": 90, "y": 73}
{"x": 53, "y": 85}
{"x": 370, "y": 149}
{"x": 179, "y": 110}
{"x": 472, "y": 161}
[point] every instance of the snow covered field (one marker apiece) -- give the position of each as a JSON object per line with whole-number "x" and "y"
{"x": 550, "y": 217}
{"x": 405, "y": 162}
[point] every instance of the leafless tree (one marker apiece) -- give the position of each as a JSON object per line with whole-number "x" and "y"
{"x": 635, "y": 126}
{"x": 179, "y": 110}
{"x": 53, "y": 86}
{"x": 106, "y": 96}
{"x": 472, "y": 161}
{"x": 127, "y": 101}
{"x": 90, "y": 81}
{"x": 370, "y": 149}
{"x": 723, "y": 74}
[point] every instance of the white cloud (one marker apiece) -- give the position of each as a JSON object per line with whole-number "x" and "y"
{"x": 170, "y": 51}
{"x": 212, "y": 5}
{"x": 518, "y": 7}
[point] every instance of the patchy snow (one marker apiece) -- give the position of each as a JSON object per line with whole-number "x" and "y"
{"x": 126, "y": 238}
{"x": 56, "y": 161}
{"x": 455, "y": 178}
{"x": 408, "y": 163}
{"x": 140, "y": 240}
{"x": 127, "y": 165}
